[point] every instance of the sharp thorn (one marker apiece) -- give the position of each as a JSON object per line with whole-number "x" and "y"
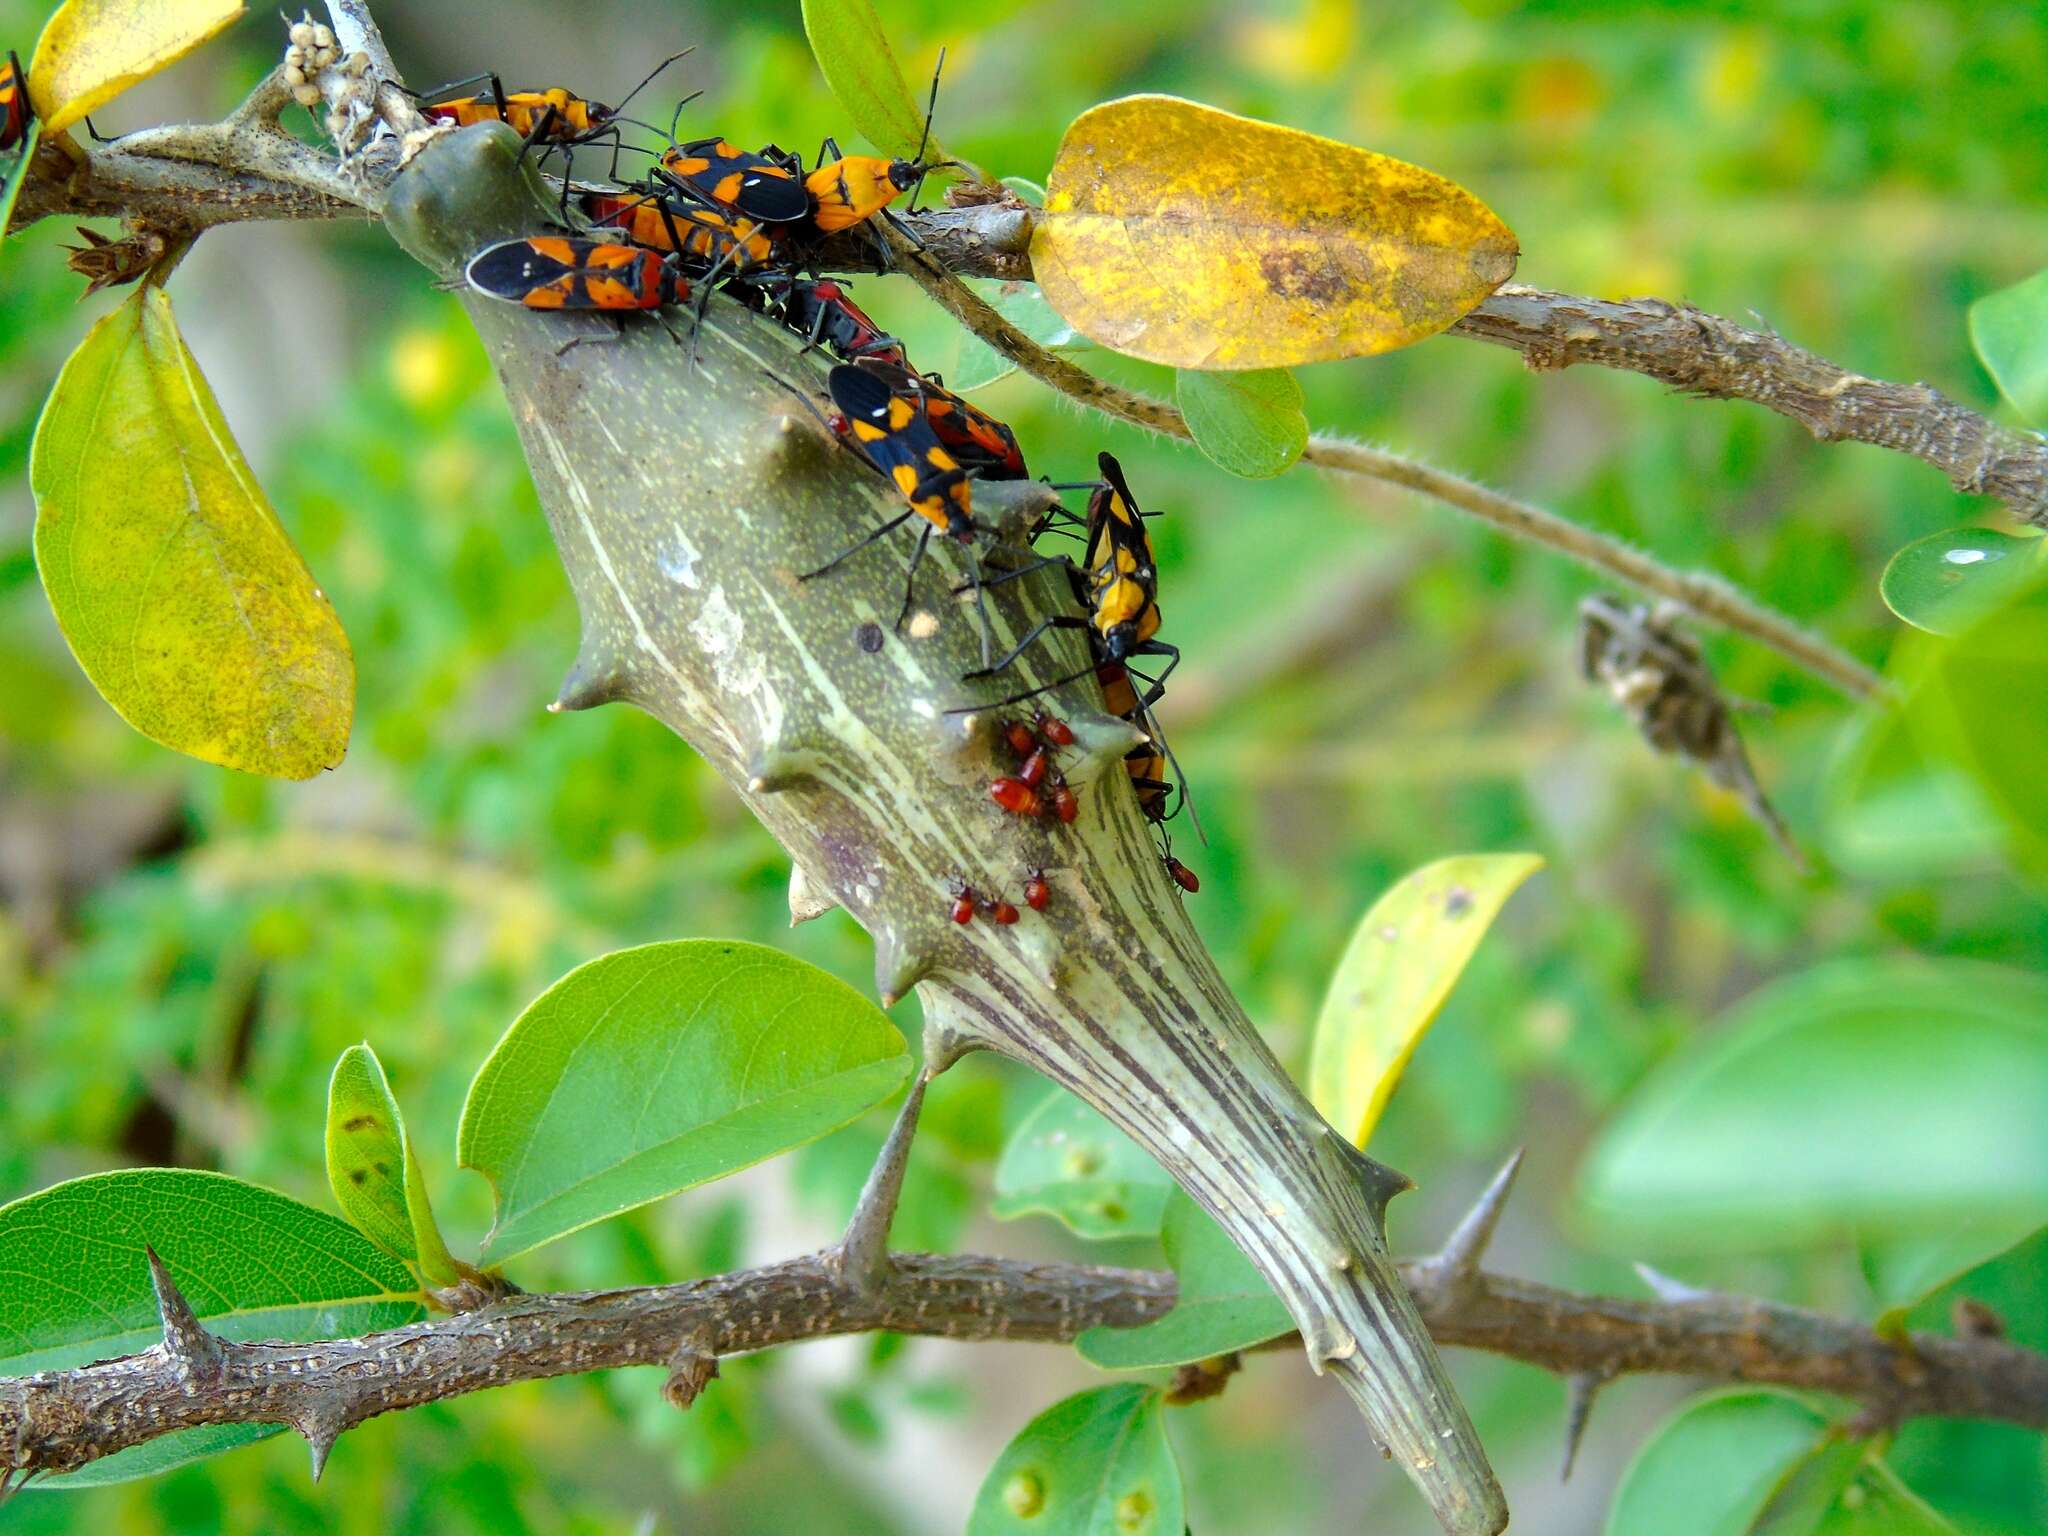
{"x": 185, "y": 1339}
{"x": 775, "y": 770}
{"x": 900, "y": 964}
{"x": 321, "y": 1432}
{"x": 596, "y": 678}
{"x": 862, "y": 1255}
{"x": 807, "y": 900}
{"x": 1459, "y": 1257}
{"x": 1580, "y": 1388}
{"x": 1677, "y": 1292}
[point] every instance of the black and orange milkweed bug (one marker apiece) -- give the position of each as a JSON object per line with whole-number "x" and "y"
{"x": 963, "y": 905}
{"x": 763, "y": 187}
{"x": 1037, "y": 893}
{"x": 975, "y": 438}
{"x": 1118, "y": 584}
{"x": 850, "y": 189}
{"x": 1003, "y": 912}
{"x": 15, "y": 111}
{"x": 881, "y": 416}
{"x": 820, "y": 311}
{"x": 554, "y": 115}
{"x": 651, "y": 220}
{"x": 1183, "y": 877}
{"x": 885, "y": 420}
{"x": 572, "y": 273}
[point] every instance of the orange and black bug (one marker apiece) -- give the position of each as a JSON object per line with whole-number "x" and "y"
{"x": 886, "y": 421}
{"x": 555, "y": 115}
{"x": 881, "y": 416}
{"x": 986, "y": 446}
{"x": 820, "y": 311}
{"x": 572, "y": 273}
{"x": 846, "y": 190}
{"x": 765, "y": 187}
{"x": 1118, "y": 583}
{"x": 648, "y": 218}
{"x": 15, "y": 111}
{"x": 1037, "y": 893}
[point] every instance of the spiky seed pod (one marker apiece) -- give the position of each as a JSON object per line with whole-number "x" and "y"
{"x": 641, "y": 456}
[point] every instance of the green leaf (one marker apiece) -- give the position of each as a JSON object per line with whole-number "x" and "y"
{"x": 1404, "y": 957}
{"x": 376, "y": 1179}
{"x": 1893, "y": 815}
{"x": 1886, "y": 1098}
{"x": 1067, "y": 1162}
{"x": 1879, "y": 1503}
{"x": 1978, "y": 702}
{"x": 1224, "y": 1303}
{"x": 1942, "y": 582}
{"x": 164, "y": 1454}
{"x": 170, "y": 576}
{"x": 1097, "y": 1464}
{"x": 17, "y": 173}
{"x": 1710, "y": 1469}
{"x": 980, "y": 364}
{"x": 2010, "y": 330}
{"x": 655, "y": 1069}
{"x": 853, "y": 54}
{"x": 1810, "y": 1490}
{"x": 253, "y": 1264}
{"x": 1250, "y": 423}
{"x": 1904, "y": 1271}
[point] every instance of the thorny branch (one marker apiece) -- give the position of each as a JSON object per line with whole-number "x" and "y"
{"x": 60, "y": 1420}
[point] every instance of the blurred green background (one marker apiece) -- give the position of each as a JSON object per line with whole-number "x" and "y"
{"x": 1370, "y": 683}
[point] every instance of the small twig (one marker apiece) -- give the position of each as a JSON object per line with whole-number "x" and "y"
{"x": 1707, "y": 355}
{"x": 1709, "y": 597}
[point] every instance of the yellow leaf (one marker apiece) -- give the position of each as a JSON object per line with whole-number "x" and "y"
{"x": 180, "y": 594}
{"x": 93, "y": 50}
{"x": 1402, "y": 962}
{"x": 1200, "y": 239}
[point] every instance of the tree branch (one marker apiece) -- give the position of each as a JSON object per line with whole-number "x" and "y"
{"x": 1707, "y": 596}
{"x": 58, "y": 1421}
{"x": 1687, "y": 348}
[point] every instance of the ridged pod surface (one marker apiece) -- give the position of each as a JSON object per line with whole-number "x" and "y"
{"x": 686, "y": 497}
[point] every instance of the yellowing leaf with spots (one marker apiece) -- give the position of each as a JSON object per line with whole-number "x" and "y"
{"x": 1196, "y": 238}
{"x": 1096, "y": 1464}
{"x": 171, "y": 578}
{"x": 1402, "y": 963}
{"x": 93, "y": 50}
